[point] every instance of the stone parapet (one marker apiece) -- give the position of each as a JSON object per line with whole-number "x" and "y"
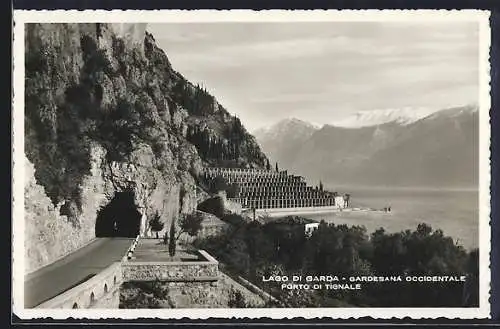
{"x": 205, "y": 269}
{"x": 87, "y": 294}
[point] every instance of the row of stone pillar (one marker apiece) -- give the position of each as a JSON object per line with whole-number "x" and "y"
{"x": 254, "y": 175}
{"x": 282, "y": 189}
{"x": 235, "y": 172}
{"x": 263, "y": 181}
{"x": 287, "y": 203}
{"x": 254, "y": 184}
{"x": 285, "y": 195}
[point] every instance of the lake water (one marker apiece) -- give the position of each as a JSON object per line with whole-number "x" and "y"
{"x": 455, "y": 212}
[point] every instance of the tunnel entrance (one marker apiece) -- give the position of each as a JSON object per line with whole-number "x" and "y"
{"x": 119, "y": 218}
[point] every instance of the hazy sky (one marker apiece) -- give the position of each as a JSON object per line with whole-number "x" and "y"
{"x": 322, "y": 71}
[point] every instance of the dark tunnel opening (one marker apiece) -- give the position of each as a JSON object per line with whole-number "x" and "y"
{"x": 119, "y": 218}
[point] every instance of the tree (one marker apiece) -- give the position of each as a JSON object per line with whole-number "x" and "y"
{"x": 156, "y": 224}
{"x": 252, "y": 251}
{"x": 165, "y": 238}
{"x": 219, "y": 184}
{"x": 268, "y": 165}
{"x": 190, "y": 224}
{"x": 214, "y": 206}
{"x": 233, "y": 190}
{"x": 277, "y": 167}
{"x": 471, "y": 287}
{"x": 172, "y": 243}
{"x": 347, "y": 197}
{"x": 182, "y": 194}
{"x": 321, "y": 186}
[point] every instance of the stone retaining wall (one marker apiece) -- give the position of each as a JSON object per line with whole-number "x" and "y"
{"x": 279, "y": 212}
{"x": 190, "y": 284}
{"x": 193, "y": 294}
{"x": 111, "y": 300}
{"x": 256, "y": 290}
{"x": 87, "y": 294}
{"x": 206, "y": 269}
{"x": 211, "y": 295}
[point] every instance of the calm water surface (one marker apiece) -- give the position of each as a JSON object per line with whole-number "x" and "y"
{"x": 455, "y": 212}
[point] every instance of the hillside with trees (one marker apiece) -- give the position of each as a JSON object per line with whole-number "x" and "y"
{"x": 106, "y": 112}
{"x": 118, "y": 98}
{"x": 254, "y": 251}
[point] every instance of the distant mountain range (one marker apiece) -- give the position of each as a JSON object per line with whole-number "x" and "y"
{"x": 403, "y": 116}
{"x": 281, "y": 140}
{"x": 381, "y": 148}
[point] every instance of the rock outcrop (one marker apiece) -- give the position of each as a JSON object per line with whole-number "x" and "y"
{"x": 106, "y": 113}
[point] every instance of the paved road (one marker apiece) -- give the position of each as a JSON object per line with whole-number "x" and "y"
{"x": 73, "y": 269}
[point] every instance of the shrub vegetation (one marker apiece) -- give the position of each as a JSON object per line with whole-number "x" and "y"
{"x": 255, "y": 250}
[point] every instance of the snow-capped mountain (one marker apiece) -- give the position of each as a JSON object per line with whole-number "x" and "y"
{"x": 419, "y": 148}
{"x": 403, "y": 116}
{"x": 454, "y": 112}
{"x": 284, "y": 126}
{"x": 278, "y": 140}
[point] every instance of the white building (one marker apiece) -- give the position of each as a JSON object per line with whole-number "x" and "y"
{"x": 310, "y": 228}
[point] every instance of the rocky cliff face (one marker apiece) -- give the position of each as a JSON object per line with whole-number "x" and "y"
{"x": 105, "y": 113}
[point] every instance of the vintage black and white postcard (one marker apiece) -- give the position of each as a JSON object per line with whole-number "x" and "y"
{"x": 274, "y": 164}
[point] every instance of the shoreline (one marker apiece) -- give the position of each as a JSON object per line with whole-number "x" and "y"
{"x": 281, "y": 212}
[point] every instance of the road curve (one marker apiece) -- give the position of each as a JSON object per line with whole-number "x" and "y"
{"x": 73, "y": 269}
